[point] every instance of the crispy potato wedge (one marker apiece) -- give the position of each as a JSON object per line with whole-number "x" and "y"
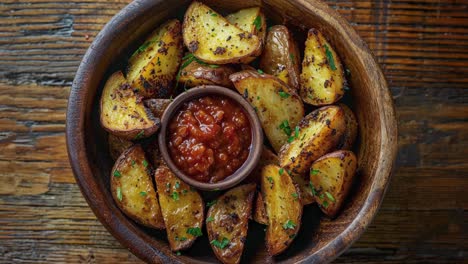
{"x": 281, "y": 57}
{"x": 331, "y": 177}
{"x": 153, "y": 67}
{"x": 157, "y": 106}
{"x": 302, "y": 183}
{"x": 132, "y": 188}
{"x": 196, "y": 73}
{"x": 351, "y": 128}
{"x": 319, "y": 133}
{"x": 259, "y": 214}
{"x": 322, "y": 77}
{"x": 228, "y": 221}
{"x": 182, "y": 209}
{"x": 283, "y": 207}
{"x": 122, "y": 111}
{"x": 117, "y": 145}
{"x": 212, "y": 39}
{"x": 251, "y": 20}
{"x": 267, "y": 157}
{"x": 278, "y": 107}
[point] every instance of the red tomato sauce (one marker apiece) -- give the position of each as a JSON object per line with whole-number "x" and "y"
{"x": 209, "y": 138}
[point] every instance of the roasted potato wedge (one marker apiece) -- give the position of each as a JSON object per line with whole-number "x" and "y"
{"x": 132, "y": 188}
{"x": 331, "y": 177}
{"x": 122, "y": 112}
{"x": 199, "y": 73}
{"x": 322, "y": 77}
{"x": 302, "y": 183}
{"x": 278, "y": 107}
{"x": 228, "y": 221}
{"x": 157, "y": 106}
{"x": 251, "y": 20}
{"x": 281, "y": 57}
{"x": 212, "y": 39}
{"x": 267, "y": 157}
{"x": 283, "y": 207}
{"x": 259, "y": 214}
{"x": 182, "y": 209}
{"x": 117, "y": 145}
{"x": 153, "y": 67}
{"x": 319, "y": 133}
{"x": 351, "y": 128}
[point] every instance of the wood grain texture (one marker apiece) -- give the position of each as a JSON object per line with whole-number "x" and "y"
{"x": 421, "y": 45}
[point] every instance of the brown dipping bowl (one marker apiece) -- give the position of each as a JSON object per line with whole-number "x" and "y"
{"x": 255, "y": 146}
{"x": 319, "y": 240}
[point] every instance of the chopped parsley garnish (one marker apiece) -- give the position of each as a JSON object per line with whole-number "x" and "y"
{"x": 260, "y": 71}
{"x": 189, "y": 58}
{"x": 330, "y": 196}
{"x": 119, "y": 193}
{"x": 312, "y": 189}
{"x": 283, "y": 94}
{"x": 220, "y": 244}
{"x": 325, "y": 204}
{"x": 258, "y": 22}
{"x": 210, "y": 219}
{"x": 281, "y": 171}
{"x": 182, "y": 238}
{"x": 175, "y": 196}
{"x": 211, "y": 203}
{"x": 295, "y": 196}
{"x": 285, "y": 127}
{"x": 140, "y": 135}
{"x": 194, "y": 231}
{"x": 270, "y": 180}
{"x": 289, "y": 225}
{"x": 314, "y": 172}
{"x": 145, "y": 163}
{"x": 143, "y": 47}
{"x": 258, "y": 97}
{"x": 330, "y": 58}
{"x": 214, "y": 15}
{"x": 117, "y": 174}
{"x": 177, "y": 185}
{"x": 143, "y": 193}
{"x": 296, "y": 135}
{"x": 178, "y": 253}
{"x": 133, "y": 163}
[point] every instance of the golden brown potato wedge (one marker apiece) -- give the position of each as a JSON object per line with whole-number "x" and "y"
{"x": 157, "y": 106}
{"x": 267, "y": 157}
{"x": 212, "y": 39}
{"x": 283, "y": 207}
{"x": 117, "y": 146}
{"x": 228, "y": 221}
{"x": 153, "y": 67}
{"x": 182, "y": 208}
{"x": 322, "y": 77}
{"x": 281, "y": 57}
{"x": 351, "y": 128}
{"x": 319, "y": 133}
{"x": 278, "y": 107}
{"x": 199, "y": 73}
{"x": 251, "y": 20}
{"x": 122, "y": 111}
{"x": 302, "y": 183}
{"x": 259, "y": 214}
{"x": 132, "y": 188}
{"x": 331, "y": 177}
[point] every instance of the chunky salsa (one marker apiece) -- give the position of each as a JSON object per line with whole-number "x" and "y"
{"x": 209, "y": 138}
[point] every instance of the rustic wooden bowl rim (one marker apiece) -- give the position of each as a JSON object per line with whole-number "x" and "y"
{"x": 256, "y": 145}
{"x": 136, "y": 240}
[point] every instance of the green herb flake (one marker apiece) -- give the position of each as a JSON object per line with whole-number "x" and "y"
{"x": 260, "y": 71}
{"x": 214, "y": 66}
{"x": 143, "y": 193}
{"x": 133, "y": 163}
{"x": 289, "y": 225}
{"x": 175, "y": 196}
{"x": 178, "y": 253}
{"x": 325, "y": 204}
{"x": 330, "y": 196}
{"x": 258, "y": 22}
{"x": 330, "y": 58}
{"x": 214, "y": 14}
{"x": 145, "y": 163}
{"x": 314, "y": 172}
{"x": 143, "y": 47}
{"x": 140, "y": 135}
{"x": 312, "y": 189}
{"x": 291, "y": 56}
{"x": 211, "y": 203}
{"x": 117, "y": 174}
{"x": 270, "y": 180}
{"x": 285, "y": 127}
{"x": 177, "y": 185}
{"x": 209, "y": 219}
{"x": 281, "y": 171}
{"x": 295, "y": 196}
{"x": 194, "y": 231}
{"x": 258, "y": 97}
{"x": 283, "y": 94}
{"x": 220, "y": 244}
{"x": 296, "y": 135}
{"x": 119, "y": 193}
{"x": 182, "y": 238}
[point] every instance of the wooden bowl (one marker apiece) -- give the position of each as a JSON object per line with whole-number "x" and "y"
{"x": 255, "y": 125}
{"x": 320, "y": 240}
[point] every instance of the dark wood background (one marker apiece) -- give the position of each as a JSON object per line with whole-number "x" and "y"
{"x": 421, "y": 45}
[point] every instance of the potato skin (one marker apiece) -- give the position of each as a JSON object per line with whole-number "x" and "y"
{"x": 196, "y": 74}
{"x": 152, "y": 70}
{"x": 182, "y": 208}
{"x": 122, "y": 112}
{"x": 331, "y": 178}
{"x": 281, "y": 56}
{"x": 322, "y": 77}
{"x": 230, "y": 216}
{"x": 319, "y": 133}
{"x": 350, "y": 135}
{"x": 157, "y": 106}
{"x": 214, "y": 46}
{"x": 259, "y": 212}
{"x": 132, "y": 188}
{"x": 117, "y": 146}
{"x": 264, "y": 92}
{"x": 283, "y": 207}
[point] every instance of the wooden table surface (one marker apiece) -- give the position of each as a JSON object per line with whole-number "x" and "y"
{"x": 421, "y": 45}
